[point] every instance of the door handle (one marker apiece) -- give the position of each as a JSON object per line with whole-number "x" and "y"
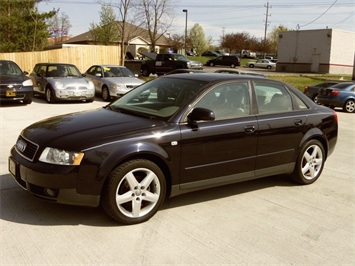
{"x": 249, "y": 129}
{"x": 298, "y": 122}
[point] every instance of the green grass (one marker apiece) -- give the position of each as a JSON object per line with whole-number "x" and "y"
{"x": 297, "y": 80}
{"x": 300, "y": 81}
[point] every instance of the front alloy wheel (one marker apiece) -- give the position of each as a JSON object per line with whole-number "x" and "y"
{"x": 349, "y": 106}
{"x": 50, "y": 95}
{"x": 134, "y": 192}
{"x": 106, "y": 94}
{"x": 310, "y": 163}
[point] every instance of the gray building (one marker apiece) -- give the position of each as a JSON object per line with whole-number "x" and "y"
{"x": 316, "y": 51}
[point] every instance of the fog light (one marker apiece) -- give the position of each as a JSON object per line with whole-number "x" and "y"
{"x": 49, "y": 192}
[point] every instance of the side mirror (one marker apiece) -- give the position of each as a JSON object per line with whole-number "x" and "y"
{"x": 199, "y": 114}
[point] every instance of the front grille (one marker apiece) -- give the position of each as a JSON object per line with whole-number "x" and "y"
{"x": 26, "y": 148}
{"x": 14, "y": 86}
{"x": 73, "y": 88}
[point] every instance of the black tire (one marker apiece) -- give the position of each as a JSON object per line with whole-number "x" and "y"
{"x": 106, "y": 94}
{"x": 349, "y": 106}
{"x": 145, "y": 72}
{"x": 233, "y": 65}
{"x": 50, "y": 96}
{"x": 251, "y": 65}
{"x": 211, "y": 64}
{"x": 269, "y": 67}
{"x": 27, "y": 101}
{"x": 140, "y": 187}
{"x": 310, "y": 163}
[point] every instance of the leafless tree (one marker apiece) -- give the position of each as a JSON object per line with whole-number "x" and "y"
{"x": 158, "y": 16}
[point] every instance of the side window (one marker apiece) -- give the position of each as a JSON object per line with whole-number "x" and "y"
{"x": 272, "y": 98}
{"x": 230, "y": 100}
{"x": 42, "y": 70}
{"x": 300, "y": 104}
{"x": 91, "y": 71}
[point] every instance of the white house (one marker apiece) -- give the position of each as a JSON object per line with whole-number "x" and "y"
{"x": 316, "y": 51}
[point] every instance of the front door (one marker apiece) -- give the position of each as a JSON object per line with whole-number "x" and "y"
{"x": 223, "y": 150}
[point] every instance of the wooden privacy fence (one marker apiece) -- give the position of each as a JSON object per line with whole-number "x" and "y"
{"x": 82, "y": 56}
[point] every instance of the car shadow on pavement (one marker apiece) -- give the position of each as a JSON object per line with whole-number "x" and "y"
{"x": 18, "y": 206}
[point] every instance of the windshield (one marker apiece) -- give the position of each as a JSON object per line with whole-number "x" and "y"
{"x": 179, "y": 57}
{"x": 111, "y": 71}
{"x": 63, "y": 71}
{"x": 10, "y": 68}
{"x": 161, "y": 97}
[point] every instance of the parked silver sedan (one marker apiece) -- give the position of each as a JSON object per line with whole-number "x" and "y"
{"x": 112, "y": 81}
{"x": 61, "y": 82}
{"x": 262, "y": 63}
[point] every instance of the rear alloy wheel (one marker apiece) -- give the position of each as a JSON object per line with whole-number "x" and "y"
{"x": 251, "y": 65}
{"x": 268, "y": 67}
{"x": 134, "y": 192}
{"x": 310, "y": 163}
{"x": 106, "y": 94}
{"x": 211, "y": 64}
{"x": 349, "y": 106}
{"x": 233, "y": 65}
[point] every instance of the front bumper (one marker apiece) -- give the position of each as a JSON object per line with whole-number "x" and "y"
{"x": 60, "y": 184}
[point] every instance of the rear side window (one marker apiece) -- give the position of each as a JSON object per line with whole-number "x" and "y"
{"x": 272, "y": 98}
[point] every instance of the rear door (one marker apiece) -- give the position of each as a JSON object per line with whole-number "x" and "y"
{"x": 281, "y": 122}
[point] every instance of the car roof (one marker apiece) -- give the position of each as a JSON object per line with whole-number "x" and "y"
{"x": 213, "y": 77}
{"x": 109, "y": 66}
{"x": 55, "y": 64}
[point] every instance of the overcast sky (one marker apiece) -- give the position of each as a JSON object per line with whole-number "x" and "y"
{"x": 228, "y": 16}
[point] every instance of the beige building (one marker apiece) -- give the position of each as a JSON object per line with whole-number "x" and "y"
{"x": 316, "y": 51}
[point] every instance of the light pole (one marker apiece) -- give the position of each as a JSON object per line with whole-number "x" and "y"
{"x": 185, "y": 11}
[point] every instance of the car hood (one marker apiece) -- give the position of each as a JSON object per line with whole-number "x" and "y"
{"x": 67, "y": 80}
{"x": 79, "y": 131}
{"x": 124, "y": 80}
{"x": 13, "y": 79}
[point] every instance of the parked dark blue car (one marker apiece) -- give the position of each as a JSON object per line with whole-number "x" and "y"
{"x": 340, "y": 95}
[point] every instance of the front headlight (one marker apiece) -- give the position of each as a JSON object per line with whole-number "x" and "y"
{"x": 91, "y": 85}
{"x": 116, "y": 86}
{"x": 61, "y": 157}
{"x": 27, "y": 83}
{"x": 58, "y": 85}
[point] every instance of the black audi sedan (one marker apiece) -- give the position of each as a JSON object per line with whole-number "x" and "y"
{"x": 172, "y": 135}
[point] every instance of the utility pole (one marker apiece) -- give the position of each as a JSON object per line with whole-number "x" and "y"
{"x": 266, "y": 24}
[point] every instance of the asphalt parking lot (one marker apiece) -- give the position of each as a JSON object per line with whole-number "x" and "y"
{"x": 269, "y": 221}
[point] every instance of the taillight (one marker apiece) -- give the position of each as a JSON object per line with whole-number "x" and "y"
{"x": 305, "y": 89}
{"x": 335, "y": 93}
{"x": 335, "y": 116}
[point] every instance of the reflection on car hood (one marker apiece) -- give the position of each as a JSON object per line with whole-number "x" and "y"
{"x": 78, "y": 131}
{"x": 12, "y": 79}
{"x": 124, "y": 80}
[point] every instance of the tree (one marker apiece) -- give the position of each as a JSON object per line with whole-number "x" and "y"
{"x": 158, "y": 16}
{"x": 22, "y": 27}
{"x": 273, "y": 38}
{"x": 106, "y": 32}
{"x": 197, "y": 39}
{"x": 236, "y": 42}
{"x": 59, "y": 27}
{"x": 125, "y": 7}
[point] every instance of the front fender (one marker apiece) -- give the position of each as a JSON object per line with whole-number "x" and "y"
{"x": 118, "y": 154}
